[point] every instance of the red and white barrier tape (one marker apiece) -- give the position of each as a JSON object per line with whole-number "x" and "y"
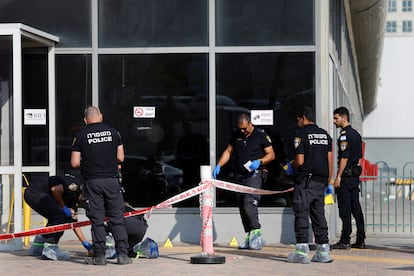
{"x": 184, "y": 195}
{"x": 204, "y": 185}
{"x": 62, "y": 227}
{"x": 243, "y": 189}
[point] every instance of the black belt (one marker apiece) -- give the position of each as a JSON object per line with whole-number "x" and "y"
{"x": 319, "y": 178}
{"x": 250, "y": 173}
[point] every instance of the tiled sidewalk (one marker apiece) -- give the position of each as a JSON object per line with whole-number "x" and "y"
{"x": 389, "y": 256}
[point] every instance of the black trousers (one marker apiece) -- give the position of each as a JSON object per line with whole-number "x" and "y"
{"x": 348, "y": 204}
{"x": 309, "y": 202}
{"x": 103, "y": 198}
{"x": 248, "y": 202}
{"x": 136, "y": 227}
{"x": 45, "y": 205}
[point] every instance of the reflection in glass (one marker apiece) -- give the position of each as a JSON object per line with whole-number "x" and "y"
{"x": 73, "y": 94}
{"x": 6, "y": 218}
{"x": 192, "y": 152}
{"x": 176, "y": 86}
{"x": 70, "y": 20}
{"x": 35, "y": 96}
{"x": 264, "y": 22}
{"x": 6, "y": 100}
{"x": 153, "y": 23}
{"x": 280, "y": 82}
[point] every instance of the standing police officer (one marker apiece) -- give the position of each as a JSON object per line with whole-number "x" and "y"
{"x": 97, "y": 150}
{"x": 253, "y": 149}
{"x": 313, "y": 164}
{"x": 347, "y": 181}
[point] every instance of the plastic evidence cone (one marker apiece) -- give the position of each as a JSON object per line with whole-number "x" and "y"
{"x": 329, "y": 199}
{"x": 168, "y": 244}
{"x": 234, "y": 243}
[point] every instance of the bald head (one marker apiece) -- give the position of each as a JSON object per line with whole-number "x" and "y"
{"x": 92, "y": 115}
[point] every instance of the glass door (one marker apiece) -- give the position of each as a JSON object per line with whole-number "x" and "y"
{"x": 27, "y": 124}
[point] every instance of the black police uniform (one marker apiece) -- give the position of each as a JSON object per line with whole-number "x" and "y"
{"x": 350, "y": 146}
{"x": 38, "y": 196}
{"x": 102, "y": 192}
{"x": 136, "y": 227}
{"x": 248, "y": 149}
{"x": 310, "y": 181}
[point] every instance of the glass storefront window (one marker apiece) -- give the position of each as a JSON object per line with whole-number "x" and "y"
{"x": 70, "y": 20}
{"x": 278, "y": 82}
{"x": 6, "y": 215}
{"x": 264, "y": 22}
{"x": 6, "y": 100}
{"x": 73, "y": 95}
{"x": 149, "y": 23}
{"x": 164, "y": 150}
{"x": 35, "y": 96}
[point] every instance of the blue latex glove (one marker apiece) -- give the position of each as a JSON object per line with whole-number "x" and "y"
{"x": 328, "y": 190}
{"x": 216, "y": 171}
{"x": 87, "y": 245}
{"x": 289, "y": 168}
{"x": 67, "y": 211}
{"x": 255, "y": 165}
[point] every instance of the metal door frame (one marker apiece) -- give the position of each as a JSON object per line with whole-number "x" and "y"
{"x": 24, "y": 36}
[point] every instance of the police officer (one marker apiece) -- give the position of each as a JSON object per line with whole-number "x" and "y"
{"x": 97, "y": 150}
{"x": 313, "y": 167}
{"x": 253, "y": 149}
{"x": 56, "y": 198}
{"x": 347, "y": 181}
{"x": 136, "y": 227}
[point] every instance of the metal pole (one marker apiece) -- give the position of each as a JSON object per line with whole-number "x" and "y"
{"x": 207, "y": 198}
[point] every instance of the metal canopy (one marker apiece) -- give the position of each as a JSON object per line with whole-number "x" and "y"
{"x": 31, "y": 37}
{"x": 367, "y": 18}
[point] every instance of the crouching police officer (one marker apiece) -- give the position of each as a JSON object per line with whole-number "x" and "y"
{"x": 136, "y": 227}
{"x": 56, "y": 199}
{"x": 313, "y": 164}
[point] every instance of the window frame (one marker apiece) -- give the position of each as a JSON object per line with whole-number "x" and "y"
{"x": 392, "y": 6}
{"x": 391, "y": 26}
{"x": 407, "y": 5}
{"x": 407, "y": 26}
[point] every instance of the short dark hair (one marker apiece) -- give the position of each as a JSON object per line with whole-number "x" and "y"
{"x": 307, "y": 112}
{"x": 342, "y": 111}
{"x": 244, "y": 117}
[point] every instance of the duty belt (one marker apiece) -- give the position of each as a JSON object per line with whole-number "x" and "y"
{"x": 307, "y": 180}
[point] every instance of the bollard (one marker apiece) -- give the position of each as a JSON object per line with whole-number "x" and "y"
{"x": 26, "y": 218}
{"x": 206, "y": 238}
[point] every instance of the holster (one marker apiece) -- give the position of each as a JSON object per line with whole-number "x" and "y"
{"x": 352, "y": 170}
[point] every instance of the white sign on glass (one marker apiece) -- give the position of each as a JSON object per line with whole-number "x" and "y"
{"x": 144, "y": 111}
{"x": 262, "y": 117}
{"x": 34, "y": 117}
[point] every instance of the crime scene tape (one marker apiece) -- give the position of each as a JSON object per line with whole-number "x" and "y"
{"x": 203, "y": 186}
{"x": 62, "y": 227}
{"x": 243, "y": 189}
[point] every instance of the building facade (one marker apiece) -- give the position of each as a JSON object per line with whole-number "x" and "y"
{"x": 386, "y": 127}
{"x": 172, "y": 76}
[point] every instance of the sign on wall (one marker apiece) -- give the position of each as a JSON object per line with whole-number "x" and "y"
{"x": 34, "y": 117}
{"x": 262, "y": 117}
{"x": 144, "y": 112}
